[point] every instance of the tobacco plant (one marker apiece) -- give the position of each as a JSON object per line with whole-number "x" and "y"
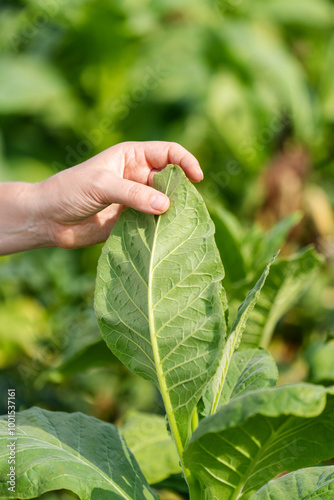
{"x": 229, "y": 431}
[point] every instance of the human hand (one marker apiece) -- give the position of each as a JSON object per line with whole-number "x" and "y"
{"x": 79, "y": 206}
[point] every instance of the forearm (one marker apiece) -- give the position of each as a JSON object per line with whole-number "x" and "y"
{"x": 21, "y": 225}
{"x": 79, "y": 206}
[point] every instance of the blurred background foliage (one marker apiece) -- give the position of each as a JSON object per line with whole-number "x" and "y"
{"x": 247, "y": 87}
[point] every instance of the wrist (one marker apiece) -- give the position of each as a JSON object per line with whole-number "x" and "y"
{"x": 22, "y": 225}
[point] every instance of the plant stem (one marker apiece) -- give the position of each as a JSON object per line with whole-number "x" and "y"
{"x": 195, "y": 490}
{"x": 223, "y": 368}
{"x": 194, "y": 486}
{"x": 194, "y": 420}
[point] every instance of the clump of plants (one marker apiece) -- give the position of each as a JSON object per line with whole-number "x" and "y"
{"x": 229, "y": 432}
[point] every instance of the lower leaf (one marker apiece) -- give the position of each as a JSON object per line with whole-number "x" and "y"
{"x": 304, "y": 484}
{"x": 249, "y": 370}
{"x": 259, "y": 434}
{"x": 54, "y": 451}
{"x": 147, "y": 437}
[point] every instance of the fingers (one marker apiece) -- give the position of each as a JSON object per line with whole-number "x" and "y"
{"x": 151, "y": 175}
{"x": 159, "y": 154}
{"x": 178, "y": 155}
{"x": 135, "y": 195}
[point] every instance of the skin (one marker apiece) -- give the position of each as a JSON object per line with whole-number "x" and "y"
{"x": 79, "y": 206}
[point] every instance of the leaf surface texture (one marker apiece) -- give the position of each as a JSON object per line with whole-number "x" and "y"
{"x": 158, "y": 297}
{"x": 55, "y": 450}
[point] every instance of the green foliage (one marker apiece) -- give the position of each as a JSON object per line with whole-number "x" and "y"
{"x": 255, "y": 436}
{"x": 287, "y": 281}
{"x": 162, "y": 311}
{"x": 245, "y": 253}
{"x": 157, "y": 298}
{"x": 233, "y": 82}
{"x": 225, "y": 80}
{"x": 314, "y": 482}
{"x": 320, "y": 358}
{"x": 147, "y": 437}
{"x": 216, "y": 385}
{"x": 249, "y": 370}
{"x": 74, "y": 452}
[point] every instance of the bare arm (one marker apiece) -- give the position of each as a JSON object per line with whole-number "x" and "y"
{"x": 79, "y": 206}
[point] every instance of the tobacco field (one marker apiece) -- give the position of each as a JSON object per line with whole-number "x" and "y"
{"x": 192, "y": 355}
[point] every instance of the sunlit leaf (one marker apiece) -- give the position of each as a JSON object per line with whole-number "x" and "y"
{"x": 287, "y": 280}
{"x": 250, "y": 370}
{"x": 258, "y": 435}
{"x": 233, "y": 340}
{"x": 158, "y": 297}
{"x": 304, "y": 484}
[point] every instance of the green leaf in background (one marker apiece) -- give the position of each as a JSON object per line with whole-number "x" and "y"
{"x": 158, "y": 301}
{"x": 249, "y": 370}
{"x": 30, "y": 85}
{"x": 286, "y": 282}
{"x": 23, "y": 327}
{"x": 91, "y": 356}
{"x": 258, "y": 435}
{"x": 147, "y": 437}
{"x": 258, "y": 246}
{"x": 86, "y": 350}
{"x": 305, "y": 484}
{"x": 317, "y": 14}
{"x": 230, "y": 102}
{"x": 246, "y": 252}
{"x": 321, "y": 362}
{"x": 234, "y": 338}
{"x": 264, "y": 57}
{"x": 326, "y": 89}
{"x": 228, "y": 238}
{"x": 56, "y": 450}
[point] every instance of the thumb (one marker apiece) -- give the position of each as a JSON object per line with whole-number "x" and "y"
{"x": 135, "y": 195}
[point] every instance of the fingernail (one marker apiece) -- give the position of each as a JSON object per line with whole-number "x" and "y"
{"x": 200, "y": 171}
{"x": 159, "y": 202}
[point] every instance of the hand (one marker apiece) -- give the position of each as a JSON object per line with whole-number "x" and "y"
{"x": 79, "y": 206}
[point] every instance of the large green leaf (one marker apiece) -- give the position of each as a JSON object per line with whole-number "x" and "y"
{"x": 287, "y": 280}
{"x": 257, "y": 435}
{"x": 147, "y": 437}
{"x": 249, "y": 370}
{"x": 56, "y": 450}
{"x": 233, "y": 341}
{"x": 158, "y": 298}
{"x": 304, "y": 484}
